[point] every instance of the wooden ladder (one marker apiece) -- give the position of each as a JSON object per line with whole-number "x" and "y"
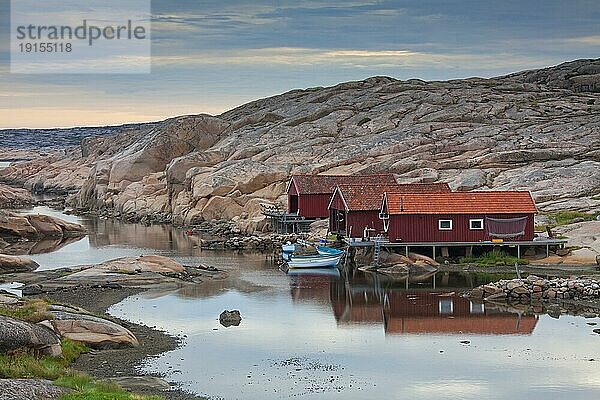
{"x": 377, "y": 250}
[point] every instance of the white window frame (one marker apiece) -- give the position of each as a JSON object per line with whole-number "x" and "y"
{"x": 445, "y": 220}
{"x": 471, "y": 224}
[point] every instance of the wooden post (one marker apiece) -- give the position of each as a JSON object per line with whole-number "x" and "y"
{"x": 406, "y": 251}
{"x": 519, "y": 251}
{"x": 547, "y": 251}
{"x": 434, "y": 256}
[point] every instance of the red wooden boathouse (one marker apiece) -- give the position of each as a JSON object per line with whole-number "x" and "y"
{"x": 458, "y": 216}
{"x": 354, "y": 209}
{"x": 309, "y": 195}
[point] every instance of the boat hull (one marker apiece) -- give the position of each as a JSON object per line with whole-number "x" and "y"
{"x": 314, "y": 262}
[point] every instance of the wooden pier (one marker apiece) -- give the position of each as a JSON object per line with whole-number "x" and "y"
{"x": 468, "y": 246}
{"x": 284, "y": 222}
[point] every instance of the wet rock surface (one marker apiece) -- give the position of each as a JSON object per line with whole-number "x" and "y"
{"x": 230, "y": 318}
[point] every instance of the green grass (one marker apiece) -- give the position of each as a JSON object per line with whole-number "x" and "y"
{"x": 567, "y": 217}
{"x": 26, "y": 365}
{"x": 494, "y": 258}
{"x": 58, "y": 369}
{"x": 86, "y": 388}
{"x": 34, "y": 311}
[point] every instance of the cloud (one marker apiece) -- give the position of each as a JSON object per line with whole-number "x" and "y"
{"x": 584, "y": 40}
{"x": 360, "y": 58}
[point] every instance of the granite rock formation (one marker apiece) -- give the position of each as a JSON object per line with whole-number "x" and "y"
{"x": 534, "y": 130}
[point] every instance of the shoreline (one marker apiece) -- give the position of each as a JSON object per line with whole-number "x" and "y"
{"x": 121, "y": 363}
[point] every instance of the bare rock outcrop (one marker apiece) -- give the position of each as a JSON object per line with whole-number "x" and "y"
{"x": 11, "y": 264}
{"x": 14, "y": 197}
{"x": 535, "y": 130}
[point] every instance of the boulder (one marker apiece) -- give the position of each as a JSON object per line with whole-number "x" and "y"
{"x": 11, "y": 197}
{"x": 30, "y": 389}
{"x": 37, "y": 226}
{"x": 150, "y": 263}
{"x": 12, "y": 264}
{"x": 221, "y": 208}
{"x": 18, "y": 226}
{"x": 95, "y": 332}
{"x": 230, "y": 318}
{"x": 16, "y": 334}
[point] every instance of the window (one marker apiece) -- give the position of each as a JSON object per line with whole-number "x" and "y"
{"x": 476, "y": 308}
{"x": 445, "y": 224}
{"x": 446, "y": 306}
{"x": 476, "y": 224}
{"x": 384, "y": 216}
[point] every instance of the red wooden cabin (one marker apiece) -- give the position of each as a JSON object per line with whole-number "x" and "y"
{"x": 458, "y": 216}
{"x": 309, "y": 195}
{"x": 354, "y": 209}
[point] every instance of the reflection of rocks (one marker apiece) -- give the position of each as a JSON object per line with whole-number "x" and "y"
{"x": 37, "y": 226}
{"x": 230, "y": 318}
{"x": 16, "y": 334}
{"x": 14, "y": 197}
{"x": 39, "y": 246}
{"x": 10, "y": 264}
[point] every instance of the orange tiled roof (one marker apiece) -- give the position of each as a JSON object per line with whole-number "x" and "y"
{"x": 490, "y": 202}
{"x": 325, "y": 184}
{"x": 369, "y": 197}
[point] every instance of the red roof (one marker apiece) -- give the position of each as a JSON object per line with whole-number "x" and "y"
{"x": 325, "y": 184}
{"x": 490, "y": 202}
{"x": 368, "y": 197}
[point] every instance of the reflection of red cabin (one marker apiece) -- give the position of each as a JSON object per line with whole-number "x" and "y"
{"x": 309, "y": 195}
{"x": 458, "y": 216}
{"x": 422, "y": 312}
{"x": 414, "y": 312}
{"x": 354, "y": 209}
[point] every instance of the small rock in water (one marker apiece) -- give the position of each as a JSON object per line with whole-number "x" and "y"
{"x": 597, "y": 331}
{"x": 465, "y": 342}
{"x": 230, "y": 318}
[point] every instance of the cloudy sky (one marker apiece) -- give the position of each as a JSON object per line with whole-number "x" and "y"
{"x": 209, "y": 56}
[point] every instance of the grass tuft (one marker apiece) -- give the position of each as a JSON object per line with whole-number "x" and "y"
{"x": 33, "y": 311}
{"x": 560, "y": 218}
{"x": 494, "y": 258}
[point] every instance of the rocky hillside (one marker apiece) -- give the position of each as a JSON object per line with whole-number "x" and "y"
{"x": 535, "y": 130}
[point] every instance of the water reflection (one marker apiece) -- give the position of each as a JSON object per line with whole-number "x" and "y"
{"x": 367, "y": 299}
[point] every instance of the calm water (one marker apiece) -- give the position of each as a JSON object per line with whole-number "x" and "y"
{"x": 316, "y": 336}
{"x": 4, "y": 164}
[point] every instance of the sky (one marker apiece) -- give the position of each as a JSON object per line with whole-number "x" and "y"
{"x": 210, "y": 56}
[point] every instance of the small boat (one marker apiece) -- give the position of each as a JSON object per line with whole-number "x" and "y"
{"x": 329, "y": 251}
{"x": 318, "y": 261}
